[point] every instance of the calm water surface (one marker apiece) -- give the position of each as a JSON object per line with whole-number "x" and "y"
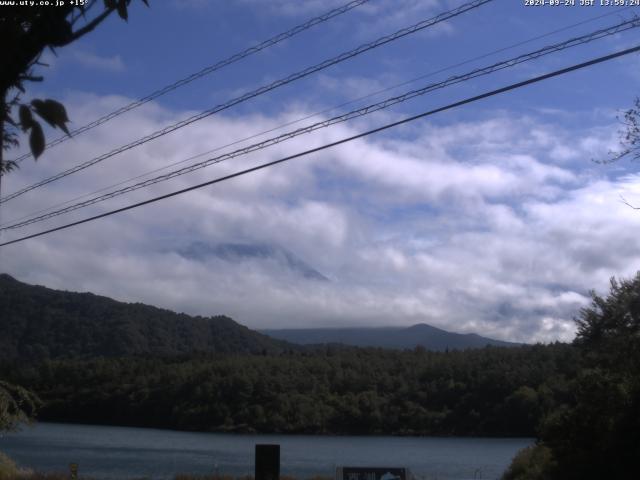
{"x": 122, "y": 452}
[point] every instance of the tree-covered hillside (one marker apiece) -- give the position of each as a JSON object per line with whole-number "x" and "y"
{"x": 492, "y": 391}
{"x": 596, "y": 432}
{"x": 40, "y": 323}
{"x": 91, "y": 359}
{"x": 429, "y": 337}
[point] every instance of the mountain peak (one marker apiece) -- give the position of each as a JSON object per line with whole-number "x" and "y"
{"x": 238, "y": 252}
{"x": 38, "y": 322}
{"x": 421, "y": 334}
{"x": 5, "y": 277}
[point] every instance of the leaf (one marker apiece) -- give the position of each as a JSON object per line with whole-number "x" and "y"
{"x": 8, "y": 165}
{"x": 37, "y": 105}
{"x": 52, "y": 112}
{"x": 10, "y": 121}
{"x": 59, "y": 33}
{"x": 36, "y": 140}
{"x": 122, "y": 10}
{"x": 26, "y": 119}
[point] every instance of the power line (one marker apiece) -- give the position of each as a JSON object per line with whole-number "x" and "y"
{"x": 598, "y": 34}
{"x": 339, "y": 142}
{"x": 206, "y": 71}
{"x": 307, "y": 117}
{"x": 264, "y": 89}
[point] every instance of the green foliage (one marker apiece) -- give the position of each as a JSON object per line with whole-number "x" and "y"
{"x": 630, "y": 136}
{"x": 8, "y": 468}
{"x": 531, "y": 463}
{"x": 598, "y": 433}
{"x": 482, "y": 392}
{"x": 25, "y": 32}
{"x": 51, "y": 111}
{"x": 20, "y": 474}
{"x": 95, "y": 360}
{"x": 39, "y": 323}
{"x": 17, "y": 405}
{"x": 609, "y": 330}
{"x": 595, "y": 432}
{"x": 36, "y": 140}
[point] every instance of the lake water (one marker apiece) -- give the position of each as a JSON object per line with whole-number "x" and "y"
{"x": 121, "y": 452}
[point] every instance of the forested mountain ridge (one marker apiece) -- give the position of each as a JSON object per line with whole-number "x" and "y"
{"x": 39, "y": 323}
{"x": 424, "y": 335}
{"x": 157, "y": 368}
{"x": 491, "y": 391}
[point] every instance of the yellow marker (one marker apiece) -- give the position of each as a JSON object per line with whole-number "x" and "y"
{"x": 73, "y": 467}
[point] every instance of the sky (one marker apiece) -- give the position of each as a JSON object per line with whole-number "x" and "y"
{"x": 494, "y": 217}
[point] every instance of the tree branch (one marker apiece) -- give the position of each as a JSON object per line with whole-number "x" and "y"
{"x": 31, "y": 78}
{"x": 81, "y": 12}
{"x": 624, "y": 200}
{"x": 90, "y": 26}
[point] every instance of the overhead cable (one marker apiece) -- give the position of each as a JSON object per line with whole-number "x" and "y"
{"x": 264, "y": 89}
{"x": 623, "y": 26}
{"x": 206, "y": 71}
{"x": 336, "y": 143}
{"x": 316, "y": 114}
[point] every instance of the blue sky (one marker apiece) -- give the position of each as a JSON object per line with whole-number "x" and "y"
{"x": 489, "y": 218}
{"x": 176, "y": 38}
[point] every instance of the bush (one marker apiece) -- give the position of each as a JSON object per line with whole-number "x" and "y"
{"x": 8, "y": 468}
{"x": 531, "y": 463}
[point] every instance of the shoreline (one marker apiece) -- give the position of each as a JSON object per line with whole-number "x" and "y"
{"x": 239, "y": 433}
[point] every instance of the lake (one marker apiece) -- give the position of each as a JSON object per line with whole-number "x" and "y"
{"x": 122, "y": 452}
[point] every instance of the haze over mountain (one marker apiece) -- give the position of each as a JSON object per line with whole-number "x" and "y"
{"x": 429, "y": 337}
{"x": 238, "y": 252}
{"x": 38, "y": 322}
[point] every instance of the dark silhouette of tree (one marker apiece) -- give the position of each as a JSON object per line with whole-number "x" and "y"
{"x": 599, "y": 435}
{"x": 595, "y": 433}
{"x": 25, "y": 33}
{"x": 610, "y": 327}
{"x": 629, "y": 139}
{"x": 629, "y": 135}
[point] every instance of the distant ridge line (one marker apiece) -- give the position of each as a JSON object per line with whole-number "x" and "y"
{"x": 419, "y": 335}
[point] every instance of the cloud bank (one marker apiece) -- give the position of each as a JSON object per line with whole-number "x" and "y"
{"x": 499, "y": 225}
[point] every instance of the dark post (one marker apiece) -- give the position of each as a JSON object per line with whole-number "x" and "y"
{"x": 267, "y": 462}
{"x": 73, "y": 468}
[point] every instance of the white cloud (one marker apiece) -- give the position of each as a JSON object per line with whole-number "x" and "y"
{"x": 91, "y": 60}
{"x": 476, "y": 226}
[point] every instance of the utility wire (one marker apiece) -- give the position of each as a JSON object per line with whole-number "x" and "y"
{"x": 316, "y": 114}
{"x": 450, "y": 106}
{"x": 206, "y": 71}
{"x": 623, "y": 26}
{"x": 264, "y": 89}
